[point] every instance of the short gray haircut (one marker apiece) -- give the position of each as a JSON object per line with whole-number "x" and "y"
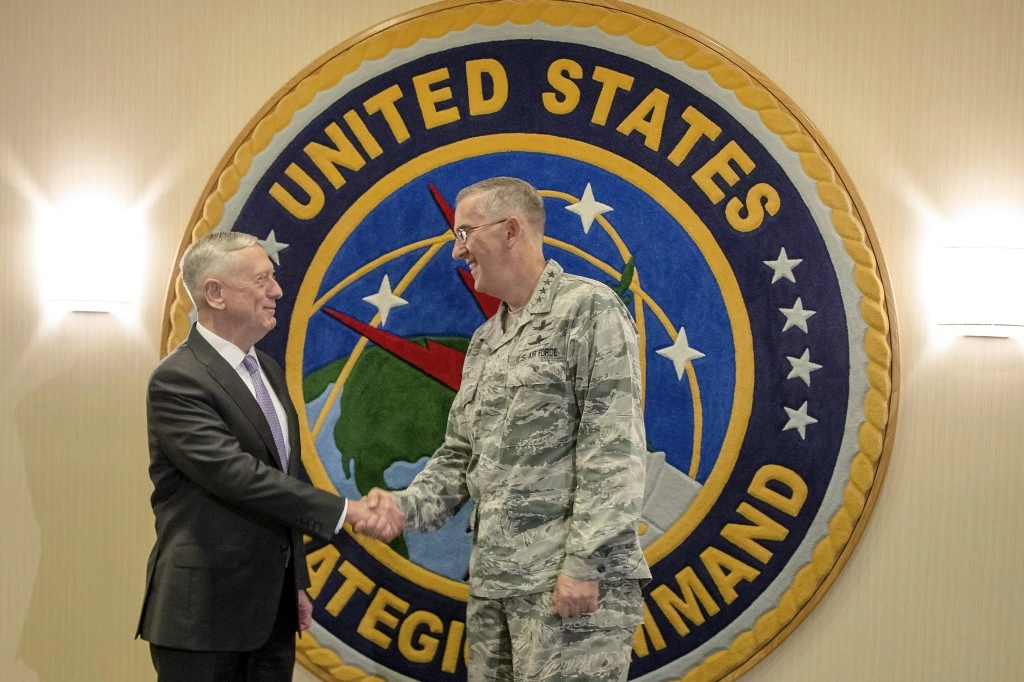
{"x": 501, "y": 196}
{"x": 208, "y": 257}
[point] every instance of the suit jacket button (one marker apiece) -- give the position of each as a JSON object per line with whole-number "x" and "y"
{"x": 316, "y": 527}
{"x": 284, "y": 548}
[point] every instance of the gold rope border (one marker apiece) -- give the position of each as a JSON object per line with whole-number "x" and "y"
{"x": 779, "y": 114}
{"x": 325, "y": 663}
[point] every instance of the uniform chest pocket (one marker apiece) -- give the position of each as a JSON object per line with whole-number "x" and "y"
{"x": 537, "y": 371}
{"x": 541, "y": 397}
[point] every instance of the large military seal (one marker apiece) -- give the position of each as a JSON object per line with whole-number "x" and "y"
{"x": 672, "y": 171}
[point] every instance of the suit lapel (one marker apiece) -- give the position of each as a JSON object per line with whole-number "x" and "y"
{"x": 226, "y": 376}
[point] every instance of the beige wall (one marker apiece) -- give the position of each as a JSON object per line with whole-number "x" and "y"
{"x": 921, "y": 99}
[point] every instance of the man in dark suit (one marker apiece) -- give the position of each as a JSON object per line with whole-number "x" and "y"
{"x": 226, "y": 577}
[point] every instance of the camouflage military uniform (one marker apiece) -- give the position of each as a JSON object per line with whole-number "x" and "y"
{"x": 524, "y": 634}
{"x": 546, "y": 435}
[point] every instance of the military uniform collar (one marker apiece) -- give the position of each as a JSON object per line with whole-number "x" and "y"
{"x": 543, "y": 295}
{"x": 540, "y": 303}
{"x": 544, "y": 292}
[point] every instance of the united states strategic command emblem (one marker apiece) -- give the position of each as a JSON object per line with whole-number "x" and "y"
{"x": 670, "y": 170}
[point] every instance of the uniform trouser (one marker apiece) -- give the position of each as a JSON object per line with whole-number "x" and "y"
{"x": 521, "y": 638}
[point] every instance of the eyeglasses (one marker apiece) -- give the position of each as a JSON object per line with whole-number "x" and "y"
{"x": 462, "y": 233}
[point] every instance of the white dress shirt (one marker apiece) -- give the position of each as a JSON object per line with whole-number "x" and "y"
{"x": 234, "y": 356}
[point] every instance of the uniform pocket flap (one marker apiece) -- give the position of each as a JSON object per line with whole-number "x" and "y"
{"x": 530, "y": 370}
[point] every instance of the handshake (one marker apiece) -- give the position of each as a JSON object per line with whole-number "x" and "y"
{"x": 376, "y": 515}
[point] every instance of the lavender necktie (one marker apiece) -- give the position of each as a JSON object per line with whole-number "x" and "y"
{"x": 267, "y": 405}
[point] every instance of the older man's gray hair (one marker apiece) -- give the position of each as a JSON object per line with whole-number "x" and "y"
{"x": 210, "y": 256}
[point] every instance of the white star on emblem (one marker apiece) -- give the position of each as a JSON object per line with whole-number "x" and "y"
{"x": 796, "y": 316}
{"x": 799, "y": 420}
{"x": 384, "y": 300}
{"x": 802, "y": 367}
{"x": 272, "y": 247}
{"x": 588, "y": 209}
{"x": 680, "y": 353}
{"x": 783, "y": 267}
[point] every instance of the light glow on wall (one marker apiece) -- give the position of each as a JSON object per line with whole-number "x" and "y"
{"x": 90, "y": 253}
{"x": 978, "y": 289}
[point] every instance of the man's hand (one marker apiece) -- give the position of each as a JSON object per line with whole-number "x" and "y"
{"x": 305, "y": 611}
{"x": 376, "y": 515}
{"x": 574, "y": 597}
{"x": 385, "y": 505}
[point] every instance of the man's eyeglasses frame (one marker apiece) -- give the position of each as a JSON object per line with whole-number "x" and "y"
{"x": 462, "y": 233}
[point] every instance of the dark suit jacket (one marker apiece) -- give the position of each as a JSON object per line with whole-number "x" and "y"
{"x": 227, "y": 518}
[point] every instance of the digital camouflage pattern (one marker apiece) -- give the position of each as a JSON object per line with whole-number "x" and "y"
{"x": 593, "y": 647}
{"x": 546, "y": 435}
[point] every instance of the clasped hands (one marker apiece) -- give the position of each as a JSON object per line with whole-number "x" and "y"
{"x": 376, "y": 515}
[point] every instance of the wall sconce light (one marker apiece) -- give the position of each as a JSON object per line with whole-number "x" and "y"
{"x": 90, "y": 253}
{"x": 981, "y": 284}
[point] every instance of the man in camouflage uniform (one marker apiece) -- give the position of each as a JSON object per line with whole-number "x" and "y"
{"x": 546, "y": 435}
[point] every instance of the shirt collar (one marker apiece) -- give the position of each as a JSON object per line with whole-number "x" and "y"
{"x": 231, "y": 353}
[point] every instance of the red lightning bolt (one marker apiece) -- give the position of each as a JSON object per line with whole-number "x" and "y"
{"x": 449, "y": 214}
{"x": 488, "y": 304}
{"x": 435, "y": 360}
